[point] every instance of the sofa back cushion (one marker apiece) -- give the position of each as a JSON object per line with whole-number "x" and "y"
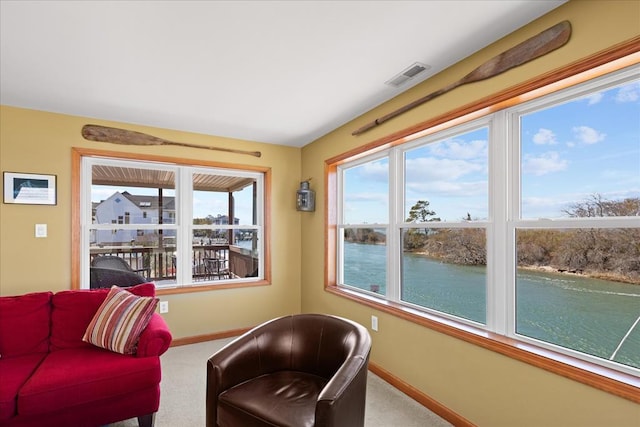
{"x": 24, "y": 324}
{"x": 73, "y": 311}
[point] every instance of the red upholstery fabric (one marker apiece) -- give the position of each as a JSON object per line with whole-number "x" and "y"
{"x": 29, "y": 314}
{"x": 79, "y": 384}
{"x": 155, "y": 339}
{"x": 73, "y": 311}
{"x": 68, "y": 378}
{"x": 108, "y": 411}
{"x": 15, "y": 372}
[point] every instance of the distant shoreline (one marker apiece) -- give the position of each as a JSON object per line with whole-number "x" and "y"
{"x": 611, "y": 277}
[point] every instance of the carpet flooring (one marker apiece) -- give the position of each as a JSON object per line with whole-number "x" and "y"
{"x": 182, "y": 402}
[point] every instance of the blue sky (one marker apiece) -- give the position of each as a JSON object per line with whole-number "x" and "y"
{"x": 587, "y": 146}
{"x": 569, "y": 152}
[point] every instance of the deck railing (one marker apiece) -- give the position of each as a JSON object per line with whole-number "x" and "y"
{"x": 159, "y": 264}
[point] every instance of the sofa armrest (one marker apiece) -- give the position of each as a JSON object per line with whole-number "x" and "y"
{"x": 155, "y": 338}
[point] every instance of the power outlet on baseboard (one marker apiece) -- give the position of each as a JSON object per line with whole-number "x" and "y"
{"x": 374, "y": 323}
{"x": 164, "y": 307}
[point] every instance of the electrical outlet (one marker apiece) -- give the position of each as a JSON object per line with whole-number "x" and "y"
{"x": 374, "y": 323}
{"x": 164, "y": 307}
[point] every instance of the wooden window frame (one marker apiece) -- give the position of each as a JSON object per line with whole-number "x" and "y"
{"x": 609, "y": 380}
{"x": 76, "y": 159}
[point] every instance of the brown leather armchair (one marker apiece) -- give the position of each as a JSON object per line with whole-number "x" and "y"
{"x": 295, "y": 371}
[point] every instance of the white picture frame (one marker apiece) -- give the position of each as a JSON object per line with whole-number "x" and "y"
{"x": 29, "y": 188}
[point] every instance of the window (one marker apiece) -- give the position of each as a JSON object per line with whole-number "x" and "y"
{"x": 365, "y": 226}
{"x": 443, "y": 233}
{"x": 165, "y": 221}
{"x": 523, "y": 223}
{"x": 577, "y": 214}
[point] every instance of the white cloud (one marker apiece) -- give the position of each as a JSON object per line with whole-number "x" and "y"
{"x": 594, "y": 98}
{"x": 449, "y": 188}
{"x": 545, "y": 137}
{"x": 588, "y": 135}
{"x": 366, "y": 207}
{"x": 429, "y": 169}
{"x": 629, "y": 93}
{"x": 366, "y": 197}
{"x": 377, "y": 171}
{"x": 543, "y": 207}
{"x": 546, "y": 163}
{"x": 460, "y": 149}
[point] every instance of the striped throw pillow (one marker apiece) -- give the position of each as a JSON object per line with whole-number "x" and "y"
{"x": 120, "y": 320}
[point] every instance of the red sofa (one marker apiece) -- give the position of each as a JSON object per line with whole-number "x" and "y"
{"x": 51, "y": 377}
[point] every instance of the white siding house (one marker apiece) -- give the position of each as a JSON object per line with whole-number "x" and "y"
{"x": 126, "y": 208}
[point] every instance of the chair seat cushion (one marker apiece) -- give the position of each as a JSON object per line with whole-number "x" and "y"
{"x": 14, "y": 372}
{"x": 284, "y": 398}
{"x": 80, "y": 376}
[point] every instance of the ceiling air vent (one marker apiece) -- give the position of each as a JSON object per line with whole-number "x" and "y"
{"x": 412, "y": 73}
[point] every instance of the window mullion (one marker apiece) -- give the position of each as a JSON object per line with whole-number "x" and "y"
{"x": 340, "y": 228}
{"x": 393, "y": 230}
{"x": 512, "y": 208}
{"x": 497, "y": 254}
{"x": 184, "y": 221}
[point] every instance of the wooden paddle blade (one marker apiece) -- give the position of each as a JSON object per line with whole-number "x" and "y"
{"x": 538, "y": 45}
{"x": 535, "y": 47}
{"x": 130, "y": 137}
{"x": 119, "y": 136}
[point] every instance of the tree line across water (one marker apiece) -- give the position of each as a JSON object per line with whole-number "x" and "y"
{"x": 607, "y": 253}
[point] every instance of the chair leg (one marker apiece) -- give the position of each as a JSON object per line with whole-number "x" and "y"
{"x": 147, "y": 420}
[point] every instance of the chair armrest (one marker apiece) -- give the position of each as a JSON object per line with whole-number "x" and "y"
{"x": 233, "y": 364}
{"x": 155, "y": 338}
{"x": 340, "y": 403}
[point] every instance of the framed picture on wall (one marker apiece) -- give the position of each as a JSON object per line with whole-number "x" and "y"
{"x": 29, "y": 188}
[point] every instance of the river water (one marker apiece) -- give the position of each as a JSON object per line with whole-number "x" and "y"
{"x": 588, "y": 315}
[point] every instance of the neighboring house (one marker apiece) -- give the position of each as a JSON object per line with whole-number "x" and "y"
{"x": 223, "y": 220}
{"x": 126, "y": 208}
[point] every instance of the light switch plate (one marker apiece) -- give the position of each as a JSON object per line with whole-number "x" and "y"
{"x": 374, "y": 323}
{"x": 41, "y": 230}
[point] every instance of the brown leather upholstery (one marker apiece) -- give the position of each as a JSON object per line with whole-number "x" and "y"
{"x": 295, "y": 371}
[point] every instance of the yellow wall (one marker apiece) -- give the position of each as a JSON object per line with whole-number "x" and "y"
{"x": 40, "y": 142}
{"x": 486, "y": 388}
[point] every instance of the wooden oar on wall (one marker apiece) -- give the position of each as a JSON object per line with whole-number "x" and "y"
{"x": 538, "y": 45}
{"x": 129, "y": 137}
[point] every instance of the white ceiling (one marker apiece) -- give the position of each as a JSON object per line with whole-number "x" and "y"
{"x": 281, "y": 72}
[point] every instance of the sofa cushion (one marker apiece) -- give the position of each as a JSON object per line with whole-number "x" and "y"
{"x": 24, "y": 324}
{"x": 73, "y": 311}
{"x": 119, "y": 321}
{"x": 14, "y": 372}
{"x": 283, "y": 398}
{"x": 72, "y": 377}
